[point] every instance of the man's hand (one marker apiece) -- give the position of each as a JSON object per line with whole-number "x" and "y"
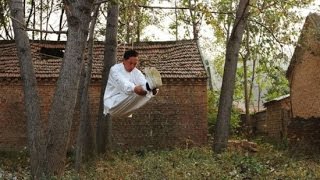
{"x": 140, "y": 91}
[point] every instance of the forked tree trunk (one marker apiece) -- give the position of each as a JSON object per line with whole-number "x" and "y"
{"x": 226, "y": 97}
{"x": 85, "y": 140}
{"x": 31, "y": 98}
{"x": 104, "y": 124}
{"x": 64, "y": 100}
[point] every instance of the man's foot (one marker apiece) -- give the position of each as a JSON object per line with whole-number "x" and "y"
{"x": 155, "y": 91}
{"x": 153, "y": 77}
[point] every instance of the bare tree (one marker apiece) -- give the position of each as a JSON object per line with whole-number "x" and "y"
{"x": 228, "y": 83}
{"x": 104, "y": 124}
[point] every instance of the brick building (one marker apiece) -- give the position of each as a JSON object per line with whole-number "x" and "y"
{"x": 175, "y": 118}
{"x": 277, "y": 117}
{"x": 273, "y": 120}
{"x": 304, "y": 80}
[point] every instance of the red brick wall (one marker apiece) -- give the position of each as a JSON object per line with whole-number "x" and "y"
{"x": 12, "y": 118}
{"x": 177, "y": 117}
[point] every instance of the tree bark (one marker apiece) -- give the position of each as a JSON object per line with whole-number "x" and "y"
{"x": 64, "y": 100}
{"x": 31, "y": 98}
{"x": 228, "y": 83}
{"x": 104, "y": 123}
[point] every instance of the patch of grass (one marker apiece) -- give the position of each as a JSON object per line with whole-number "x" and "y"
{"x": 195, "y": 163}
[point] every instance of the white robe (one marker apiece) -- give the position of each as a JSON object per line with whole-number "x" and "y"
{"x": 119, "y": 96}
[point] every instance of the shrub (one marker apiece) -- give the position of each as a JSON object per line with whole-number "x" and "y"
{"x": 213, "y": 102}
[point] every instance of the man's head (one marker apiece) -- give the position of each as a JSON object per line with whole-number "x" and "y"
{"x": 130, "y": 60}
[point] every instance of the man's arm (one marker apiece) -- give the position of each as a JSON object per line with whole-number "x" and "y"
{"x": 125, "y": 85}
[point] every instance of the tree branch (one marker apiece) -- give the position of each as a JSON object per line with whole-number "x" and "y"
{"x": 160, "y": 7}
{"x": 52, "y": 32}
{"x": 264, "y": 26}
{"x": 182, "y": 8}
{"x": 16, "y": 20}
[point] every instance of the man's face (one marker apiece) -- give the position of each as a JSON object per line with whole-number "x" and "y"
{"x": 130, "y": 63}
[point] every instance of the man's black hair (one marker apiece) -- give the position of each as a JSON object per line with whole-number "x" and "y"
{"x": 130, "y": 53}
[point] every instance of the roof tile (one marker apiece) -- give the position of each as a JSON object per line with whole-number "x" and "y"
{"x": 174, "y": 59}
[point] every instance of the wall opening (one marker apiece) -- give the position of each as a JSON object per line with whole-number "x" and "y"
{"x": 51, "y": 53}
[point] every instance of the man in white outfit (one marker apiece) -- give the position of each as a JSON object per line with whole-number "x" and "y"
{"x": 127, "y": 88}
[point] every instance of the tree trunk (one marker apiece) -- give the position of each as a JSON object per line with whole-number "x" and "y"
{"x": 60, "y": 23}
{"x": 85, "y": 145}
{"x": 31, "y": 98}
{"x": 41, "y": 18}
{"x": 228, "y": 83}
{"x": 195, "y": 24}
{"x": 64, "y": 100}
{"x": 252, "y": 80}
{"x": 48, "y": 15}
{"x": 138, "y": 21}
{"x": 176, "y": 19}
{"x": 104, "y": 123}
{"x": 30, "y": 13}
{"x": 34, "y": 21}
{"x": 246, "y": 89}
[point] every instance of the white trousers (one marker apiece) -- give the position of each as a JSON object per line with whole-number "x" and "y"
{"x": 124, "y": 104}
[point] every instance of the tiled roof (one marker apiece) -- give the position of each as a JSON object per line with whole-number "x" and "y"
{"x": 174, "y": 59}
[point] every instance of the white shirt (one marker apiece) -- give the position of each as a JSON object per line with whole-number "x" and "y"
{"x": 121, "y": 84}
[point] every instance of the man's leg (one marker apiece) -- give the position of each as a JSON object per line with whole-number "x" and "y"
{"x": 129, "y": 104}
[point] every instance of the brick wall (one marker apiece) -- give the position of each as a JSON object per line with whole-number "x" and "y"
{"x": 177, "y": 117}
{"x": 259, "y": 122}
{"x": 12, "y": 118}
{"x": 278, "y": 118}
